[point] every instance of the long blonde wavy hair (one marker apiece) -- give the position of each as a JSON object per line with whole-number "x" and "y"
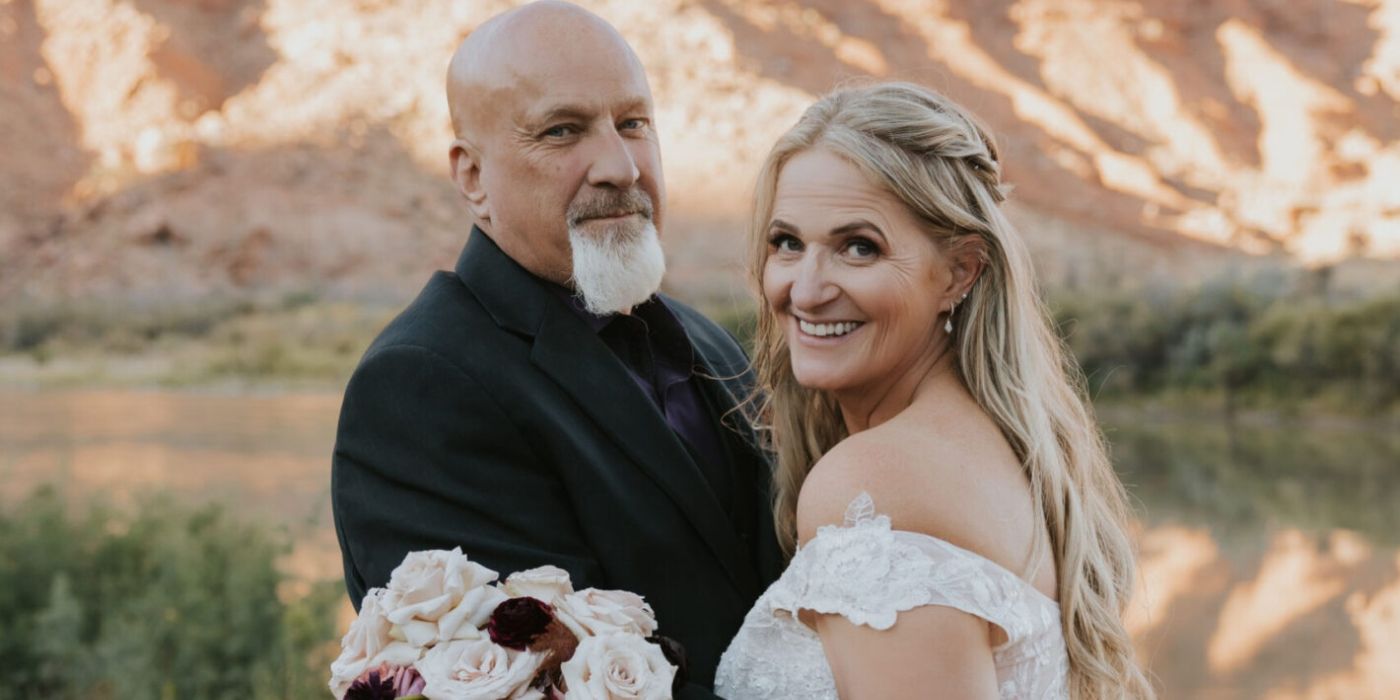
{"x": 944, "y": 167}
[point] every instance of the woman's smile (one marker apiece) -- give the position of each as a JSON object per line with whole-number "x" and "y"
{"x": 825, "y": 333}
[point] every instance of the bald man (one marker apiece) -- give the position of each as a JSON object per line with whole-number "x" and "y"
{"x": 542, "y": 404}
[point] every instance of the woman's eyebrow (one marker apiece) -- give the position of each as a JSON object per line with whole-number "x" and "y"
{"x": 859, "y": 225}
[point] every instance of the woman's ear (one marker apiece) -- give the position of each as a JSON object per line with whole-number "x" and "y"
{"x": 966, "y": 259}
{"x": 465, "y": 161}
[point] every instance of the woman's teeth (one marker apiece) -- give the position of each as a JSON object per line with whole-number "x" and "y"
{"x": 827, "y": 329}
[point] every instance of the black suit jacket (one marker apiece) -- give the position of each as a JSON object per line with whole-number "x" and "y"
{"x": 489, "y": 416}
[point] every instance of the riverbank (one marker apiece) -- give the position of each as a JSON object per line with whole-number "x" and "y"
{"x": 295, "y": 342}
{"x": 1227, "y": 350}
{"x": 290, "y": 368}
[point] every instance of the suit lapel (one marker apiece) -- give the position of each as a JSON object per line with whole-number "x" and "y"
{"x": 728, "y": 386}
{"x": 568, "y": 352}
{"x": 582, "y": 365}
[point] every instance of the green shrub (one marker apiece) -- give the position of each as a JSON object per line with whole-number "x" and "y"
{"x": 1235, "y": 339}
{"x": 172, "y": 602}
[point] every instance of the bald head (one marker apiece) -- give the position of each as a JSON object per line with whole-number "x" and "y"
{"x": 522, "y": 48}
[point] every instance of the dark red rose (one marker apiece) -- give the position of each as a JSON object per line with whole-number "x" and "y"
{"x": 674, "y": 652}
{"x": 371, "y": 685}
{"x": 516, "y": 622}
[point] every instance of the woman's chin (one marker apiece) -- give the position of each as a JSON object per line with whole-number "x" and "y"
{"x": 821, "y": 379}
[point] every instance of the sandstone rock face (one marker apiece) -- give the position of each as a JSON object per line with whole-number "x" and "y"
{"x": 167, "y": 148}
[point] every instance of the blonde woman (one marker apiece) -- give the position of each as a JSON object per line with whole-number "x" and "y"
{"x": 957, "y": 527}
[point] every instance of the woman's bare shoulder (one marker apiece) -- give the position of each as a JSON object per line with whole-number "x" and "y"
{"x": 859, "y": 464}
{"x": 927, "y": 482}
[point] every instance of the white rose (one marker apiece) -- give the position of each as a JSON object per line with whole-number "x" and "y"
{"x": 592, "y": 612}
{"x": 437, "y": 595}
{"x": 465, "y": 620}
{"x": 544, "y": 583}
{"x": 476, "y": 669}
{"x": 430, "y": 583}
{"x": 368, "y": 644}
{"x": 618, "y": 667}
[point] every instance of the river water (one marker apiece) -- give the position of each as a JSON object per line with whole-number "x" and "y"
{"x": 1270, "y": 553}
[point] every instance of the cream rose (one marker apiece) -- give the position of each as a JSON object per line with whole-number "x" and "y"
{"x": 368, "y": 644}
{"x": 476, "y": 669}
{"x": 618, "y": 667}
{"x": 465, "y": 620}
{"x": 592, "y": 612}
{"x": 544, "y": 583}
{"x": 430, "y": 583}
{"x": 437, "y": 595}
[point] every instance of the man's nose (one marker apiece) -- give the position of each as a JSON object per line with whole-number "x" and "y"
{"x": 813, "y": 286}
{"x": 613, "y": 164}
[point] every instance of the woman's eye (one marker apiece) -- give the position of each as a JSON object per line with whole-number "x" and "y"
{"x": 784, "y": 243}
{"x": 862, "y": 248}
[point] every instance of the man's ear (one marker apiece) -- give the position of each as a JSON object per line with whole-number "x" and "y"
{"x": 465, "y": 161}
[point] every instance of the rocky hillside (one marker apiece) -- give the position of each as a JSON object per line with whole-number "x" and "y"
{"x": 165, "y": 149}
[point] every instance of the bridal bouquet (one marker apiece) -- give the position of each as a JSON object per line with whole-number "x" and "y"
{"x": 445, "y": 629}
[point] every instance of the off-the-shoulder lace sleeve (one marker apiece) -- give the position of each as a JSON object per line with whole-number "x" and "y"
{"x": 868, "y": 573}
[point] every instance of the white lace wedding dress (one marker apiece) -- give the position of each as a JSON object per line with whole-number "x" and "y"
{"x": 869, "y": 573}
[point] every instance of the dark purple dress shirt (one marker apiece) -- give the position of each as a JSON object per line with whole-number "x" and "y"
{"x": 653, "y": 346}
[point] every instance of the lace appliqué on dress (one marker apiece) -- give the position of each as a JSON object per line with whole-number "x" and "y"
{"x": 869, "y": 573}
{"x": 860, "y": 510}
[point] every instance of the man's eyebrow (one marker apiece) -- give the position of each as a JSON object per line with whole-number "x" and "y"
{"x": 562, "y": 112}
{"x": 633, "y": 104}
{"x": 578, "y": 112}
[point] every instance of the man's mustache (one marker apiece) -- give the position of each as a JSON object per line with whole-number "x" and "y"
{"x": 608, "y": 203}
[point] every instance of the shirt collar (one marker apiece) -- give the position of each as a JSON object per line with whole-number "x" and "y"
{"x": 575, "y": 304}
{"x": 668, "y": 337}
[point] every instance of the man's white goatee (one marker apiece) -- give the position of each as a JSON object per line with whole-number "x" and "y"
{"x": 617, "y": 269}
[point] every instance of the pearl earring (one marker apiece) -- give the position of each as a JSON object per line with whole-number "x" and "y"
{"x": 948, "y": 324}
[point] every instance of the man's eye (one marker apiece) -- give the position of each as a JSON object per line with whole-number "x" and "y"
{"x": 785, "y": 243}
{"x": 631, "y": 124}
{"x": 559, "y": 132}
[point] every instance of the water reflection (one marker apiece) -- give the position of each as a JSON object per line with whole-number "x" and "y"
{"x": 1270, "y": 554}
{"x": 1269, "y": 561}
{"x": 267, "y": 457}
{"x": 1246, "y": 477}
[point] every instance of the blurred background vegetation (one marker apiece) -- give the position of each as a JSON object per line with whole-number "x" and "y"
{"x": 1267, "y": 346}
{"x": 165, "y": 601}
